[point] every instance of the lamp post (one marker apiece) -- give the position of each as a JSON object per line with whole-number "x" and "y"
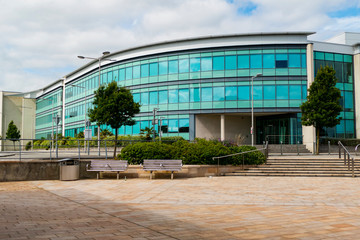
{"x": 85, "y": 123}
{"x": 252, "y": 107}
{"x": 99, "y": 59}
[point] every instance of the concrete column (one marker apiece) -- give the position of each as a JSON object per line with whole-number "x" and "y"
{"x": 309, "y": 131}
{"x": 222, "y": 127}
{"x": 357, "y": 93}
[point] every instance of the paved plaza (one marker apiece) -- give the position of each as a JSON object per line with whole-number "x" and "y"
{"x": 197, "y": 208}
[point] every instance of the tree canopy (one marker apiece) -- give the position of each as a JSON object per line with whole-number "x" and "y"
{"x": 114, "y": 106}
{"x": 322, "y": 107}
{"x": 13, "y": 132}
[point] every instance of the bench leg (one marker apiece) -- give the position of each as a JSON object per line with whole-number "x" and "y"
{"x": 117, "y": 175}
{"x": 172, "y": 175}
{"x": 150, "y": 175}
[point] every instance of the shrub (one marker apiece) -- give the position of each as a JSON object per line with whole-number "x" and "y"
{"x": 28, "y": 146}
{"x": 346, "y": 142}
{"x": 136, "y": 153}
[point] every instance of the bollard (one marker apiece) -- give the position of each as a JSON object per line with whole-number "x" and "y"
{"x": 297, "y": 148}
{"x": 281, "y": 150}
{"x": 50, "y": 150}
{"x": 329, "y": 146}
{"x": 105, "y": 150}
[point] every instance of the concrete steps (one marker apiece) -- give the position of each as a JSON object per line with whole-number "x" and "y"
{"x": 301, "y": 167}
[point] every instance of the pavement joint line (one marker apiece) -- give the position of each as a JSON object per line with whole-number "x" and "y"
{"x": 109, "y": 214}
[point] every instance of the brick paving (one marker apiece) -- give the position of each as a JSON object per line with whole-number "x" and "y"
{"x": 197, "y": 208}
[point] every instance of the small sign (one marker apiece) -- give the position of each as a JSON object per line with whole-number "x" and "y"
{"x": 88, "y": 134}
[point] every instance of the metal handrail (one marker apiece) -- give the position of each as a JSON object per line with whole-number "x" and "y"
{"x": 265, "y": 149}
{"x": 347, "y": 157}
{"x": 267, "y": 137}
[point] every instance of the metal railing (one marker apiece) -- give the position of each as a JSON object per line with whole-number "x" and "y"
{"x": 347, "y": 158}
{"x": 265, "y": 152}
{"x": 284, "y": 139}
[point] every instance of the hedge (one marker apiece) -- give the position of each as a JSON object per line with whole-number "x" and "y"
{"x": 199, "y": 152}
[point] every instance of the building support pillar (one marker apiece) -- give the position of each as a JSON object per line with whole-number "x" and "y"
{"x": 222, "y": 127}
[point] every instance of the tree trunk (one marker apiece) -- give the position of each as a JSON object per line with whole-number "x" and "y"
{"x": 317, "y": 140}
{"x": 116, "y": 137}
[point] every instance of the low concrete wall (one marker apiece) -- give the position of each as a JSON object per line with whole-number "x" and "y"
{"x": 49, "y": 170}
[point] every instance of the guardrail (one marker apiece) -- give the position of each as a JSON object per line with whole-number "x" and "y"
{"x": 265, "y": 149}
{"x": 347, "y": 157}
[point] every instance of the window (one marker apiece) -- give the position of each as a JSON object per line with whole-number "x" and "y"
{"x": 129, "y": 73}
{"x": 136, "y": 71}
{"x": 218, "y": 63}
{"x": 184, "y": 65}
{"x": 173, "y": 96}
{"x": 218, "y": 94}
{"x": 173, "y": 126}
{"x": 282, "y": 92}
{"x": 255, "y": 61}
{"x": 122, "y": 74}
{"x": 295, "y": 92}
{"x": 281, "y": 61}
{"x": 173, "y": 66}
{"x": 163, "y": 97}
{"x": 230, "y": 62}
{"x": 230, "y": 93}
{"x": 136, "y": 128}
{"x": 269, "y": 61}
{"x": 243, "y": 92}
{"x": 184, "y": 95}
{"x": 194, "y": 64}
{"x": 154, "y": 69}
{"x": 258, "y": 93}
{"x": 163, "y": 68}
{"x": 206, "y": 64}
{"x": 183, "y": 125}
{"x": 164, "y": 125}
{"x": 243, "y": 61}
{"x": 153, "y": 97}
{"x": 145, "y": 70}
{"x": 194, "y": 94}
{"x": 294, "y": 60}
{"x": 144, "y": 98}
{"x": 269, "y": 92}
{"x": 206, "y": 94}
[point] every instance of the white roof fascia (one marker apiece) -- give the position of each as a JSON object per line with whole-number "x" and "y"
{"x": 333, "y": 47}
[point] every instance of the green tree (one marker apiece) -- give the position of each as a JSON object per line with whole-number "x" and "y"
{"x": 13, "y": 133}
{"x": 114, "y": 106}
{"x": 146, "y": 133}
{"x": 322, "y": 107}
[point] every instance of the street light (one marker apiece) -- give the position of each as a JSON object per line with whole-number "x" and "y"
{"x": 252, "y": 107}
{"x": 99, "y": 59}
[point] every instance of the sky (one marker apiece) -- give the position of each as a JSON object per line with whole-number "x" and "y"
{"x": 41, "y": 39}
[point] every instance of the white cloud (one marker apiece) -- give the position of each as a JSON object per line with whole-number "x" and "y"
{"x": 41, "y": 39}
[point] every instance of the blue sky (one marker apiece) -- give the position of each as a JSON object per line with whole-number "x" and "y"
{"x": 40, "y": 39}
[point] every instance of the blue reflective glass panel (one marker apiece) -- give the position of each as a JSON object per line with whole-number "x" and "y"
{"x": 136, "y": 97}
{"x": 294, "y": 60}
{"x": 295, "y": 91}
{"x": 269, "y": 60}
{"x": 183, "y": 95}
{"x": 184, "y": 65}
{"x": 303, "y": 60}
{"x": 173, "y": 96}
{"x": 144, "y": 124}
{"x": 218, "y": 94}
{"x": 206, "y": 94}
{"x": 144, "y": 98}
{"x": 206, "y": 64}
{"x": 163, "y": 97}
{"x": 255, "y": 61}
{"x": 349, "y": 126}
{"x": 128, "y": 130}
{"x": 153, "y": 97}
{"x": 340, "y": 128}
{"x": 230, "y": 93}
{"x": 154, "y": 69}
{"x": 269, "y": 92}
{"x": 349, "y": 100}
{"x": 194, "y": 94}
{"x": 281, "y": 56}
{"x": 304, "y": 91}
{"x": 163, "y": 68}
{"x": 244, "y": 93}
{"x": 243, "y": 61}
{"x": 194, "y": 64}
{"x": 282, "y": 92}
{"x": 173, "y": 125}
{"x": 145, "y": 70}
{"x": 230, "y": 62}
{"x": 218, "y": 63}
{"x": 136, "y": 128}
{"x": 128, "y": 73}
{"x": 173, "y": 66}
{"x": 258, "y": 93}
{"x": 183, "y": 125}
{"x": 122, "y": 74}
{"x": 136, "y": 72}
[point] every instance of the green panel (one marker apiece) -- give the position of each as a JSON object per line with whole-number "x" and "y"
{"x": 294, "y": 71}
{"x": 206, "y": 54}
{"x": 163, "y": 59}
{"x": 128, "y": 64}
{"x": 255, "y": 51}
{"x": 218, "y": 53}
{"x": 230, "y": 52}
{"x": 282, "y": 72}
{"x": 183, "y": 76}
{"x": 195, "y": 75}
{"x": 342, "y": 115}
{"x": 195, "y": 105}
{"x": 295, "y": 82}
{"x": 282, "y": 82}
{"x": 281, "y": 50}
{"x": 254, "y": 72}
{"x": 206, "y": 84}
{"x": 206, "y": 74}
{"x": 144, "y": 80}
{"x": 303, "y": 50}
{"x": 218, "y": 104}
{"x": 258, "y": 103}
{"x": 218, "y": 84}
{"x": 269, "y": 82}
{"x": 348, "y": 86}
{"x": 163, "y": 88}
{"x": 144, "y": 108}
{"x": 268, "y": 72}
{"x": 282, "y": 103}
{"x": 206, "y": 105}
{"x": 173, "y": 58}
{"x": 184, "y": 86}
{"x": 173, "y": 77}
{"x": 230, "y": 73}
{"x": 163, "y": 78}
{"x": 240, "y": 52}
{"x": 194, "y": 55}
{"x": 195, "y": 85}
{"x": 136, "y": 81}
{"x": 184, "y": 135}
{"x": 163, "y": 107}
{"x": 153, "y": 60}
{"x": 230, "y": 83}
{"x": 244, "y": 83}
{"x": 184, "y": 56}
{"x": 348, "y": 58}
{"x": 243, "y": 73}
{"x": 173, "y": 87}
{"x": 295, "y": 103}
{"x": 340, "y": 86}
{"x": 339, "y": 57}
{"x": 153, "y": 79}
{"x": 303, "y": 72}
{"x": 231, "y": 104}
{"x": 244, "y": 104}
{"x": 128, "y": 82}
{"x": 294, "y": 50}
{"x": 174, "y": 116}
{"x": 218, "y": 74}
{"x": 183, "y": 106}
{"x": 269, "y": 51}
{"x": 270, "y": 103}
{"x": 144, "y": 61}
{"x": 349, "y": 115}
{"x": 173, "y": 106}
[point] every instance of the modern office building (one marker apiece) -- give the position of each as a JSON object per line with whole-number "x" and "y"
{"x": 202, "y": 87}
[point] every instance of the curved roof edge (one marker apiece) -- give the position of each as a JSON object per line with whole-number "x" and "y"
{"x": 210, "y": 37}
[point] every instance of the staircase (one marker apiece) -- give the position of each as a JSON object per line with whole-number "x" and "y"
{"x": 299, "y": 166}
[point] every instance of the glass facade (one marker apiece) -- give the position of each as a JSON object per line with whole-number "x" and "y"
{"x": 343, "y": 65}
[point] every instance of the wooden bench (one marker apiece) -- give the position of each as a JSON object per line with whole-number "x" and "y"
{"x": 162, "y": 165}
{"x": 107, "y": 166}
